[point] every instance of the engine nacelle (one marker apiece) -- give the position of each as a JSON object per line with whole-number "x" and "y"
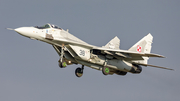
{"x": 136, "y": 69}
{"x": 121, "y": 73}
{"x": 125, "y": 66}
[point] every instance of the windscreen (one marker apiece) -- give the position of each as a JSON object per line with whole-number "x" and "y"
{"x": 43, "y": 27}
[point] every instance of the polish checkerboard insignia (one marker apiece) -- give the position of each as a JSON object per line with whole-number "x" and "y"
{"x": 139, "y": 48}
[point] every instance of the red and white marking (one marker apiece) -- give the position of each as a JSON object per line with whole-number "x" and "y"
{"x": 139, "y": 48}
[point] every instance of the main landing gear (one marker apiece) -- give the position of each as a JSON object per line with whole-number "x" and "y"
{"x": 79, "y": 71}
{"x": 105, "y": 70}
{"x": 63, "y": 64}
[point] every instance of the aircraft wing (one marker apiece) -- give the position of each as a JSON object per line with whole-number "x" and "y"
{"x": 127, "y": 54}
{"x": 119, "y": 53}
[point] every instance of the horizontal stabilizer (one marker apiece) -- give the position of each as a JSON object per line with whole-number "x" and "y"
{"x": 152, "y": 66}
{"x": 154, "y": 55}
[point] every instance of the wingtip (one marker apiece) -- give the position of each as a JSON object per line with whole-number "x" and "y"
{"x": 161, "y": 56}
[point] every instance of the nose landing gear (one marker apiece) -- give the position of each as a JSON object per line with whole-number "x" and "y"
{"x": 79, "y": 71}
{"x": 62, "y": 64}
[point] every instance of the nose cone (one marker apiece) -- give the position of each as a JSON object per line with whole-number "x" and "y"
{"x": 22, "y": 30}
{"x": 25, "y": 31}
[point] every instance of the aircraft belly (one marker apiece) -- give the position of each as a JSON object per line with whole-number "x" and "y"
{"x": 92, "y": 65}
{"x": 120, "y": 64}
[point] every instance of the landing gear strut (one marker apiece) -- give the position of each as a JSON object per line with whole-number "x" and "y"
{"x": 62, "y": 63}
{"x": 105, "y": 69}
{"x": 79, "y": 71}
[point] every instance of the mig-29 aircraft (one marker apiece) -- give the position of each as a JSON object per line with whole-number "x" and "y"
{"x": 109, "y": 58}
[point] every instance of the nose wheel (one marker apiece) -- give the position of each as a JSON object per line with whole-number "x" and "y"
{"x": 62, "y": 64}
{"x": 79, "y": 71}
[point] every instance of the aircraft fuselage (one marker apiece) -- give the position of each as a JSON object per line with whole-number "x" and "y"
{"x": 75, "y": 51}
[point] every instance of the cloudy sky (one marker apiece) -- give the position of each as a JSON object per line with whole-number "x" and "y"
{"x": 29, "y": 69}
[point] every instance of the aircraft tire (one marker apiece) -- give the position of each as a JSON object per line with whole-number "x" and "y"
{"x": 105, "y": 70}
{"x": 78, "y": 72}
{"x": 62, "y": 64}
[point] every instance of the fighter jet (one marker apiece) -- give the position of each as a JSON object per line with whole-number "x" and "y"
{"x": 109, "y": 58}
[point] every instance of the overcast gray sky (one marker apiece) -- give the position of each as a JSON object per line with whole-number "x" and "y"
{"x": 29, "y": 69}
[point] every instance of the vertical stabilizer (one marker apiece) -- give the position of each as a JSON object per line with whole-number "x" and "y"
{"x": 113, "y": 44}
{"x": 143, "y": 46}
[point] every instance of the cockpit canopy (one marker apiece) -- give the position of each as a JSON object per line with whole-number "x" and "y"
{"x": 48, "y": 26}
